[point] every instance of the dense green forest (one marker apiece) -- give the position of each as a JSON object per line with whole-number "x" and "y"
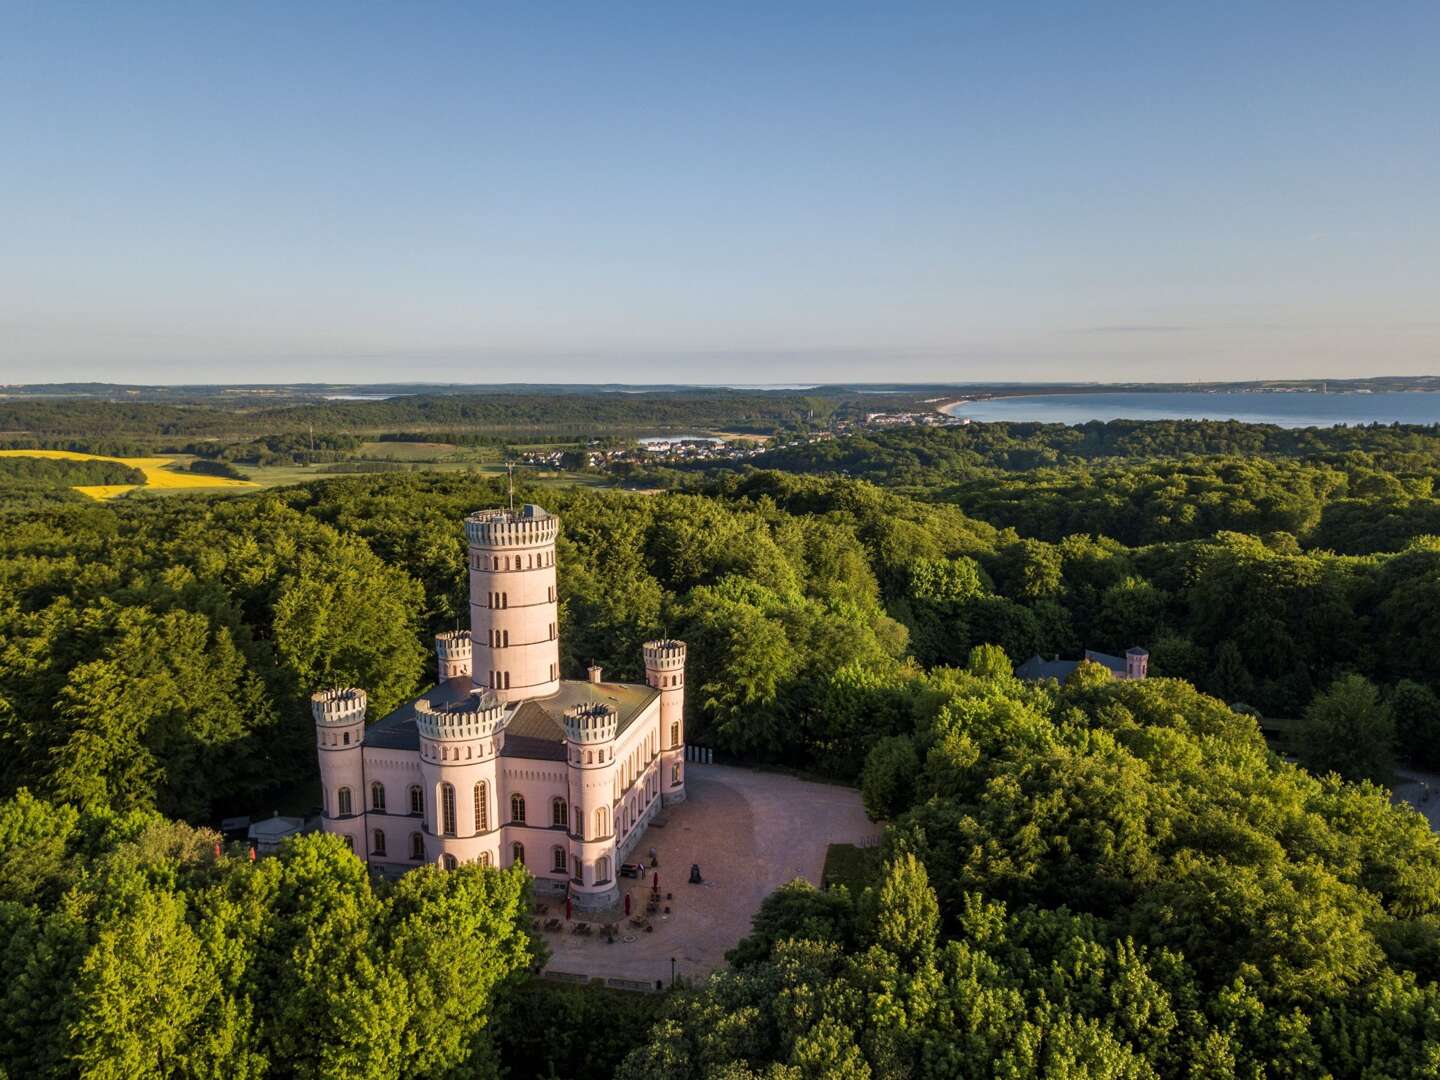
{"x": 1352, "y": 490}
{"x": 1099, "y": 879}
{"x": 1103, "y": 880}
{"x": 120, "y": 427}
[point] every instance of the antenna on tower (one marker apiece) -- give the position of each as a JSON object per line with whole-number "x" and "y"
{"x": 510, "y": 482}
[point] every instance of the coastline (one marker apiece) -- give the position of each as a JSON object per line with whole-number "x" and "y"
{"x": 1301, "y": 408}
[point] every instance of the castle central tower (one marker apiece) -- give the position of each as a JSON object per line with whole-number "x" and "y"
{"x": 514, "y": 605}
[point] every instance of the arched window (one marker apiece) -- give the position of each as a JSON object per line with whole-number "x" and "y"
{"x": 517, "y": 809}
{"x": 379, "y": 848}
{"x": 347, "y": 738}
{"x": 675, "y": 734}
{"x": 507, "y": 680}
{"x": 602, "y": 822}
{"x": 484, "y": 858}
{"x": 350, "y": 843}
{"x": 589, "y": 757}
{"x": 675, "y": 774}
{"x": 517, "y": 854}
{"x": 417, "y": 846}
{"x": 417, "y": 799}
{"x": 497, "y": 562}
{"x": 447, "y": 809}
{"x": 602, "y": 869}
{"x": 377, "y": 796}
{"x": 448, "y": 861}
{"x": 559, "y": 813}
{"x": 558, "y": 863}
{"x": 342, "y": 799}
{"x": 482, "y": 808}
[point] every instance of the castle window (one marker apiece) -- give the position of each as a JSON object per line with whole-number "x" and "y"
{"x": 347, "y": 738}
{"x": 559, "y": 813}
{"x": 448, "y": 861}
{"x": 447, "y": 809}
{"x": 602, "y": 869}
{"x": 504, "y": 599}
{"x": 342, "y": 798}
{"x": 602, "y": 822}
{"x": 417, "y": 799}
{"x": 675, "y": 774}
{"x": 589, "y": 757}
{"x": 377, "y": 796}
{"x": 417, "y": 846}
{"x": 507, "y": 562}
{"x": 507, "y": 680}
{"x": 517, "y": 809}
{"x": 482, "y": 808}
{"x": 550, "y": 594}
{"x": 497, "y": 562}
{"x": 506, "y": 642}
{"x": 484, "y": 858}
{"x": 674, "y": 734}
{"x": 517, "y": 854}
{"x": 350, "y": 843}
{"x": 558, "y": 865}
{"x": 552, "y": 671}
{"x": 379, "y": 847}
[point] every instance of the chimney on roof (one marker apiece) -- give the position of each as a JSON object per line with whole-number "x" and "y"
{"x": 593, "y": 672}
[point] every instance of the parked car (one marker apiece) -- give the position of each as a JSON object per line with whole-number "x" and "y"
{"x": 632, "y": 869}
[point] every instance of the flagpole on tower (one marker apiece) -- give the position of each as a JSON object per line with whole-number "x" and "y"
{"x": 510, "y": 483}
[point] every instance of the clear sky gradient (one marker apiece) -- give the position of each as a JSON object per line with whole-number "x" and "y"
{"x": 206, "y": 192}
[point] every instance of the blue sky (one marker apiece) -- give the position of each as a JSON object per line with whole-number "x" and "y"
{"x": 672, "y": 192}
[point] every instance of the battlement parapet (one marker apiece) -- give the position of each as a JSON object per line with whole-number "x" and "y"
{"x": 342, "y": 705}
{"x": 529, "y": 526}
{"x": 667, "y": 654}
{"x": 454, "y": 645}
{"x": 593, "y": 722}
{"x": 478, "y": 716}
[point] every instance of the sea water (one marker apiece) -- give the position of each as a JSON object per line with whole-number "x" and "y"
{"x": 1266, "y": 407}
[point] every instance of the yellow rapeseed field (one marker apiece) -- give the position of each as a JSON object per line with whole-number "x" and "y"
{"x": 156, "y": 474}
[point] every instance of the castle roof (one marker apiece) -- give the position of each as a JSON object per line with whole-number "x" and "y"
{"x": 535, "y": 728}
{"x": 1037, "y": 667}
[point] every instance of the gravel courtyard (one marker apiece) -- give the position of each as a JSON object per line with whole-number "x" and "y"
{"x": 750, "y": 832}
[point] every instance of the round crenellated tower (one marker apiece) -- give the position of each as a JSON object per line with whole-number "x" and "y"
{"x": 460, "y": 744}
{"x": 514, "y": 605}
{"x": 590, "y": 731}
{"x": 665, "y": 671}
{"x": 339, "y": 735}
{"x": 1137, "y": 662}
{"x": 453, "y": 654}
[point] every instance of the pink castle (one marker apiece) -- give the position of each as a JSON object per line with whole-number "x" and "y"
{"x": 505, "y": 762}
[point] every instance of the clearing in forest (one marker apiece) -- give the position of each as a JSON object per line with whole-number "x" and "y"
{"x": 157, "y": 475}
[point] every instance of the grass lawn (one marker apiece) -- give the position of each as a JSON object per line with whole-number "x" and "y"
{"x": 852, "y": 866}
{"x": 409, "y": 451}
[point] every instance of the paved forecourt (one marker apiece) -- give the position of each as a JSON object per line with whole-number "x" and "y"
{"x": 750, "y": 832}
